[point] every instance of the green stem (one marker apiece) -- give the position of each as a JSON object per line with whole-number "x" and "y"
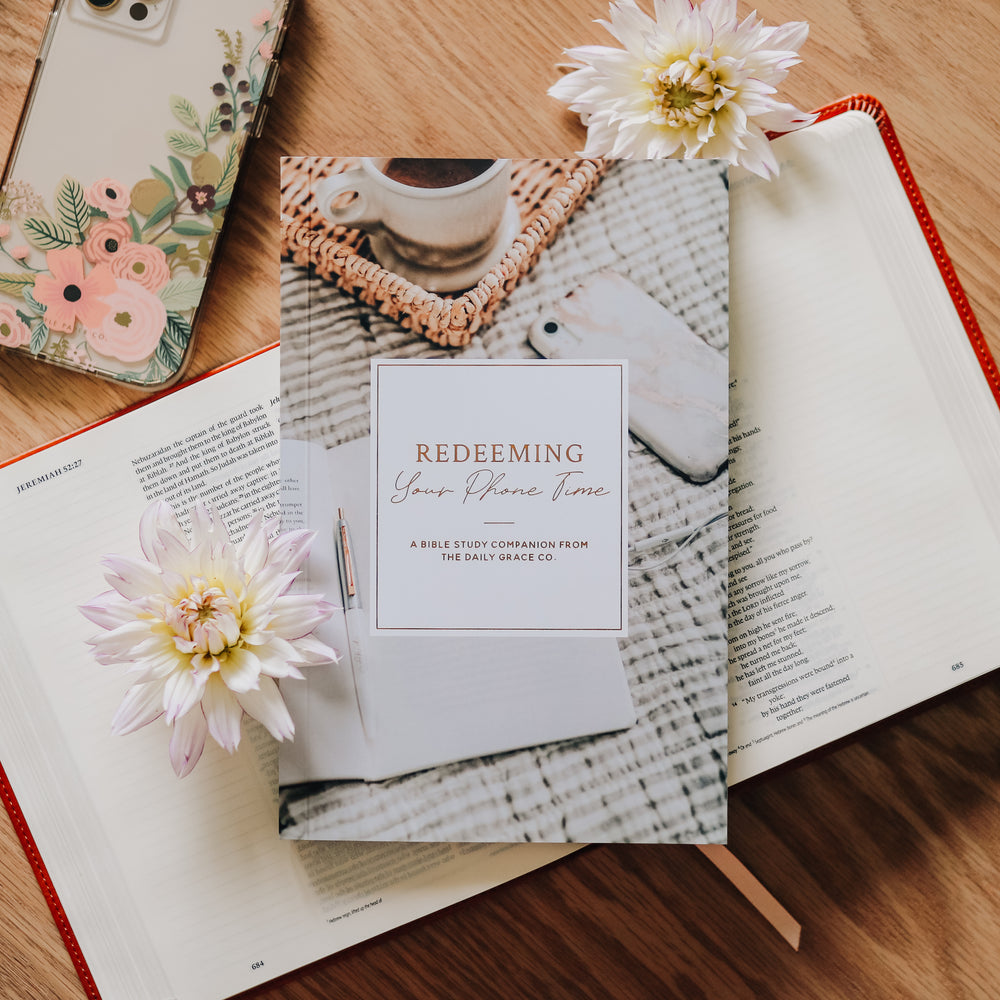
{"x": 173, "y": 218}
{"x": 20, "y": 263}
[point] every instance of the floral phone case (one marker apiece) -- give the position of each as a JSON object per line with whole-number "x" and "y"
{"x": 122, "y": 171}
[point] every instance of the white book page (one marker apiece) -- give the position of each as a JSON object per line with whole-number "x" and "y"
{"x": 435, "y": 699}
{"x": 220, "y": 903}
{"x": 864, "y": 566}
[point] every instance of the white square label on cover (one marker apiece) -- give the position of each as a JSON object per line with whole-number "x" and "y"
{"x": 499, "y": 493}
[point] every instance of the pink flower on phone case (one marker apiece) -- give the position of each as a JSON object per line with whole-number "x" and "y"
{"x": 105, "y": 239}
{"x": 133, "y": 324}
{"x": 142, "y": 263}
{"x": 108, "y": 196}
{"x": 13, "y": 332}
{"x": 68, "y": 294}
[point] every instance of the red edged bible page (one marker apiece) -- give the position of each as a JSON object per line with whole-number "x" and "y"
{"x": 873, "y": 107}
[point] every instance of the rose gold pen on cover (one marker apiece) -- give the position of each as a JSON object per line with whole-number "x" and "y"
{"x": 356, "y": 622}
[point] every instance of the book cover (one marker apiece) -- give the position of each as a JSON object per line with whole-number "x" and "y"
{"x": 526, "y": 532}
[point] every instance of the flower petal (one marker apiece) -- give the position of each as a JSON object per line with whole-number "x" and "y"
{"x": 252, "y": 551}
{"x": 223, "y": 714}
{"x": 141, "y": 705}
{"x": 187, "y": 741}
{"x": 181, "y": 692}
{"x": 240, "y": 670}
{"x": 157, "y": 517}
{"x": 288, "y": 551}
{"x": 295, "y": 615}
{"x": 268, "y": 707}
{"x": 132, "y": 578}
{"x": 277, "y": 659}
{"x": 109, "y": 610}
{"x": 309, "y": 650}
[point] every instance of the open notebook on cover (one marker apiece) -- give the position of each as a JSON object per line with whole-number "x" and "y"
{"x": 427, "y": 701}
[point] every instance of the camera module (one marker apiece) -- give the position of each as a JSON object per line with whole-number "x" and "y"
{"x": 102, "y": 5}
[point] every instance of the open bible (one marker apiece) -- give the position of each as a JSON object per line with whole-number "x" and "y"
{"x": 864, "y": 530}
{"x": 169, "y": 889}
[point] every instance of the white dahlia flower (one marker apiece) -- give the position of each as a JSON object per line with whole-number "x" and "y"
{"x": 206, "y": 625}
{"x": 695, "y": 82}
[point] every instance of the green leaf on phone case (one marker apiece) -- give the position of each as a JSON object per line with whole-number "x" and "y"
{"x": 180, "y": 173}
{"x": 192, "y": 229}
{"x": 38, "y": 337}
{"x": 47, "y": 234}
{"x": 160, "y": 212}
{"x": 185, "y": 112}
{"x": 71, "y": 206}
{"x": 230, "y": 161}
{"x": 174, "y": 341}
{"x": 163, "y": 177}
{"x": 31, "y": 301}
{"x": 214, "y": 122}
{"x": 13, "y": 284}
{"x": 182, "y": 293}
{"x": 182, "y": 142}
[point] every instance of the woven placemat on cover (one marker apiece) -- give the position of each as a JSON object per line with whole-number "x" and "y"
{"x": 546, "y": 193}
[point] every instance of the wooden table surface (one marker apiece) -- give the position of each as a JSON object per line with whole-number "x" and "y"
{"x": 886, "y": 847}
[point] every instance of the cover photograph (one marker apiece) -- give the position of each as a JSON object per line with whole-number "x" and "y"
{"x": 504, "y": 414}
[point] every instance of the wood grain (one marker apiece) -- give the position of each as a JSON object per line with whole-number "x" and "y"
{"x": 885, "y": 847}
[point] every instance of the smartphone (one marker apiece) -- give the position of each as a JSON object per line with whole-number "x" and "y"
{"x": 124, "y": 165}
{"x": 678, "y": 402}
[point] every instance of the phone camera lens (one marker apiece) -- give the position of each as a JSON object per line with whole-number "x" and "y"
{"x": 551, "y": 327}
{"x": 102, "y": 5}
{"x": 138, "y": 12}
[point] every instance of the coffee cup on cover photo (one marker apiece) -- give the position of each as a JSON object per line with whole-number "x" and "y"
{"x": 441, "y": 223}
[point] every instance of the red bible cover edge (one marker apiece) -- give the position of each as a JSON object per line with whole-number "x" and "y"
{"x": 873, "y": 107}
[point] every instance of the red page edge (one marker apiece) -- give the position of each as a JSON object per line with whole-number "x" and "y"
{"x": 873, "y": 107}
{"x": 48, "y": 889}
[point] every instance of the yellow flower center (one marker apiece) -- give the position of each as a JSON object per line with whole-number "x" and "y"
{"x": 685, "y": 92}
{"x": 207, "y": 620}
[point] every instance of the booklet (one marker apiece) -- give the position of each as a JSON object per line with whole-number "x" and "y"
{"x": 526, "y": 535}
{"x": 167, "y": 887}
{"x": 864, "y": 449}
